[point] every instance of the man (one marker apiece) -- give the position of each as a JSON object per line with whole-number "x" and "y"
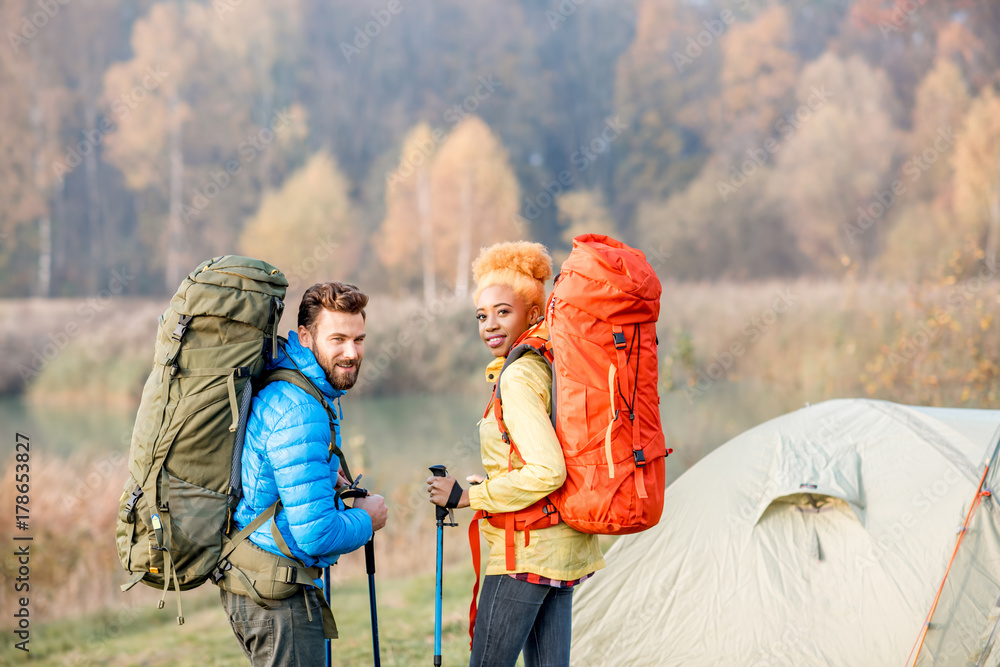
{"x": 286, "y": 455}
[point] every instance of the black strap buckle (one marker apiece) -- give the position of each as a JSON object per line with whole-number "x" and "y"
{"x": 291, "y": 574}
{"x": 218, "y": 574}
{"x": 182, "y": 325}
{"x": 549, "y": 509}
{"x": 640, "y": 458}
{"x": 619, "y": 340}
{"x": 233, "y": 498}
{"x": 130, "y": 505}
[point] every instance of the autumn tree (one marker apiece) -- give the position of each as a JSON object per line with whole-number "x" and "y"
{"x": 150, "y": 150}
{"x": 189, "y": 132}
{"x": 405, "y": 242}
{"x": 942, "y": 100}
{"x": 582, "y": 212}
{"x": 758, "y": 75}
{"x": 705, "y": 235}
{"x": 307, "y": 225}
{"x": 33, "y": 97}
{"x": 977, "y": 174}
{"x": 662, "y": 82}
{"x": 832, "y": 172}
{"x": 923, "y": 244}
{"x": 475, "y": 199}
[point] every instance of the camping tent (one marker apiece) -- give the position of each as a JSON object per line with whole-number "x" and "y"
{"x": 821, "y": 537}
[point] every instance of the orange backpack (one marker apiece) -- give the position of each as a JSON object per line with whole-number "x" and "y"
{"x": 602, "y": 347}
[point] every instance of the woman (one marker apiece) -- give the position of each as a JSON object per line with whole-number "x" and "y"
{"x": 528, "y": 607}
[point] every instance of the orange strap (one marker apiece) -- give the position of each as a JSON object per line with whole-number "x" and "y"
{"x": 961, "y": 534}
{"x": 477, "y": 556}
{"x": 508, "y": 530}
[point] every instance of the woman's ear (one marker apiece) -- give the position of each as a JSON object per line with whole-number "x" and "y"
{"x": 535, "y": 315}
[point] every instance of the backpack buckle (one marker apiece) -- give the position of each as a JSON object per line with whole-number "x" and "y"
{"x": 219, "y": 573}
{"x": 289, "y": 574}
{"x": 182, "y": 325}
{"x": 549, "y": 509}
{"x": 640, "y": 458}
{"x": 619, "y": 340}
{"x": 130, "y": 505}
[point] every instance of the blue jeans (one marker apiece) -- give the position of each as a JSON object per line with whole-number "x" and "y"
{"x": 514, "y": 616}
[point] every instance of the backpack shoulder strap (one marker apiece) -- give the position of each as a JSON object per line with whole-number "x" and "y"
{"x": 534, "y": 345}
{"x": 543, "y": 348}
{"x": 296, "y": 377}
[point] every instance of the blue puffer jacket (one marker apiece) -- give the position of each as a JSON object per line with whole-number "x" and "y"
{"x": 285, "y": 453}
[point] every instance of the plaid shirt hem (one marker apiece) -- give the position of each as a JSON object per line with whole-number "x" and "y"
{"x": 532, "y": 578}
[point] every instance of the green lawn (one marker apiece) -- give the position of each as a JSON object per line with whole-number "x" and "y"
{"x": 147, "y": 636}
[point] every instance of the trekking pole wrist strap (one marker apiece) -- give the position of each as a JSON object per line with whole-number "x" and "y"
{"x": 455, "y": 497}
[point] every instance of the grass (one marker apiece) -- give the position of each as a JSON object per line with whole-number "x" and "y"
{"x": 136, "y": 633}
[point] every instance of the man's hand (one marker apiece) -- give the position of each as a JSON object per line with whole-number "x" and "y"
{"x": 341, "y": 480}
{"x": 440, "y": 488}
{"x": 375, "y": 506}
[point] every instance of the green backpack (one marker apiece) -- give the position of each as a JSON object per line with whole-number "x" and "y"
{"x": 184, "y": 462}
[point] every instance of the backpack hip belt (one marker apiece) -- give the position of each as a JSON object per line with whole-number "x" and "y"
{"x": 246, "y": 569}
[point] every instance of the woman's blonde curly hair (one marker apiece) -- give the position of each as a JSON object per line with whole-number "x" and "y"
{"x": 521, "y": 265}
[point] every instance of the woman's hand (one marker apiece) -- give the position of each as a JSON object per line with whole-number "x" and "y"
{"x": 440, "y": 489}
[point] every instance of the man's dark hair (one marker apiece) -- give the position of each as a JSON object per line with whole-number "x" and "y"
{"x": 339, "y": 297}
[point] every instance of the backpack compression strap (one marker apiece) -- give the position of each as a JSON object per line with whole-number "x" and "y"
{"x": 298, "y": 378}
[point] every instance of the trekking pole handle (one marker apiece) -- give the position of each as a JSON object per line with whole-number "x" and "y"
{"x": 370, "y": 556}
{"x": 439, "y": 470}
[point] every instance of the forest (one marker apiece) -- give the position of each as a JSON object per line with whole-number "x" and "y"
{"x": 386, "y": 141}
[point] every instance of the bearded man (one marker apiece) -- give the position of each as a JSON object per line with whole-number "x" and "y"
{"x": 287, "y": 456}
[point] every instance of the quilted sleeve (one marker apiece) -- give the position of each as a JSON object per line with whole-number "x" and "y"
{"x": 297, "y": 451}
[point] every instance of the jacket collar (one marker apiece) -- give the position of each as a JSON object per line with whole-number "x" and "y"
{"x": 297, "y": 356}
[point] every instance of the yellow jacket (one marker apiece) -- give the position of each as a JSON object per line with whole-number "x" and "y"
{"x": 557, "y": 552}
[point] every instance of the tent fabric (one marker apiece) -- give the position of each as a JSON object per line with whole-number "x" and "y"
{"x": 818, "y": 538}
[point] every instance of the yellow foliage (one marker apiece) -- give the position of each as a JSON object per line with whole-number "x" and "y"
{"x": 758, "y": 73}
{"x": 583, "y": 212}
{"x": 977, "y": 164}
{"x": 475, "y": 199}
{"x": 407, "y": 201}
{"x": 833, "y": 165}
{"x": 306, "y": 228}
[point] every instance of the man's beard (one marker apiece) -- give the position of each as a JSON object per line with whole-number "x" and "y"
{"x": 340, "y": 378}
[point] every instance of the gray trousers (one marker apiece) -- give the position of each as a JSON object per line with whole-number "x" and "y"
{"x": 282, "y": 635}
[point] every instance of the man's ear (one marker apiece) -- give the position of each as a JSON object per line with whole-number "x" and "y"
{"x": 305, "y": 337}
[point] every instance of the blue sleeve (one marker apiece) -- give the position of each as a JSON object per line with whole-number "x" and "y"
{"x": 297, "y": 450}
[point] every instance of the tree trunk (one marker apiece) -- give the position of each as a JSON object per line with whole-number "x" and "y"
{"x": 44, "y": 255}
{"x": 174, "y": 270}
{"x": 426, "y": 233}
{"x": 37, "y": 119}
{"x": 994, "y": 224}
{"x": 464, "y": 237}
{"x": 95, "y": 227}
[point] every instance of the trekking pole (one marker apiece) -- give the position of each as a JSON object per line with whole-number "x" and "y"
{"x": 370, "y": 567}
{"x": 326, "y": 594}
{"x": 441, "y": 514}
{"x": 354, "y": 491}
